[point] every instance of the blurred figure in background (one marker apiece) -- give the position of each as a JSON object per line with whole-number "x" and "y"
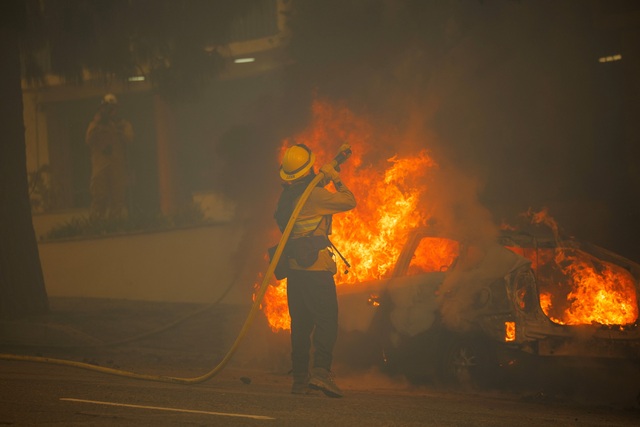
{"x": 108, "y": 138}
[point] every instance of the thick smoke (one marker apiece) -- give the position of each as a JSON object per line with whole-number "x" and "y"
{"x": 506, "y": 96}
{"x": 512, "y": 90}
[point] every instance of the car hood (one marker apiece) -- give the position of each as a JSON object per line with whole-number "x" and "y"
{"x": 413, "y": 301}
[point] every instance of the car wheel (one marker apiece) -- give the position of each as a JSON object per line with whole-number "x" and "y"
{"x": 467, "y": 362}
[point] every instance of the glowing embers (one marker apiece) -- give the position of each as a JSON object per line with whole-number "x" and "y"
{"x": 578, "y": 289}
{"x": 374, "y": 300}
{"x": 509, "y": 331}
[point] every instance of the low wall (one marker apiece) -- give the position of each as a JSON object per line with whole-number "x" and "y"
{"x": 186, "y": 265}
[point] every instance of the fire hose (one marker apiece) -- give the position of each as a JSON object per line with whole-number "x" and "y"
{"x": 259, "y": 296}
{"x": 141, "y": 336}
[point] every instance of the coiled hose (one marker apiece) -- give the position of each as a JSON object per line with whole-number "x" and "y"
{"x": 243, "y": 331}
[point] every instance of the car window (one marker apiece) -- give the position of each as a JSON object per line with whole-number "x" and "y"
{"x": 433, "y": 254}
{"x": 576, "y": 288}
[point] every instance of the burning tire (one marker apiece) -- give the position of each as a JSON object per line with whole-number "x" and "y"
{"x": 467, "y": 361}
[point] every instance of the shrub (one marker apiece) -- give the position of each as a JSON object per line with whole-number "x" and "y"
{"x": 83, "y": 226}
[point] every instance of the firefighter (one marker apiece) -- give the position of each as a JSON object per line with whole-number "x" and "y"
{"x": 311, "y": 289}
{"x": 108, "y": 137}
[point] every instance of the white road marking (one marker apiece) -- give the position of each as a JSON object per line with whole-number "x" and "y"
{"x": 160, "y": 408}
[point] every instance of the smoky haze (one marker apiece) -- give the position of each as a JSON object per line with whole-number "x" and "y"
{"x": 508, "y": 97}
{"x": 509, "y": 94}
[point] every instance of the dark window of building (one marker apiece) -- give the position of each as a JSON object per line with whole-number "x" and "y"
{"x": 260, "y": 21}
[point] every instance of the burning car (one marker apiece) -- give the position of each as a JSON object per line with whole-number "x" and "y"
{"x": 476, "y": 310}
{"x": 464, "y": 307}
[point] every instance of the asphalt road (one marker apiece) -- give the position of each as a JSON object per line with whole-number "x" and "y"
{"x": 253, "y": 390}
{"x": 34, "y": 394}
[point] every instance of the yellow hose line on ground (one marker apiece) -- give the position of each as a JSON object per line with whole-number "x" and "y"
{"x": 245, "y": 327}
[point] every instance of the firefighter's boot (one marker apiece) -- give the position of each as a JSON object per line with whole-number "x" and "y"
{"x": 321, "y": 379}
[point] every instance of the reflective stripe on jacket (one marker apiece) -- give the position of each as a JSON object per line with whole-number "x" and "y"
{"x": 321, "y": 203}
{"x": 306, "y": 226}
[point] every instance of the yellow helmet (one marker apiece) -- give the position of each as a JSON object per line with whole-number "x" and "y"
{"x": 110, "y": 99}
{"x": 297, "y": 161}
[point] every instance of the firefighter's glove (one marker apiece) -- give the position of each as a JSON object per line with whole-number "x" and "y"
{"x": 329, "y": 172}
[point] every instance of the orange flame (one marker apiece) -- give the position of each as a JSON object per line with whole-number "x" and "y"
{"x": 578, "y": 289}
{"x": 392, "y": 196}
{"x": 388, "y": 193}
{"x": 433, "y": 254}
{"x": 593, "y": 292}
{"x": 372, "y": 235}
{"x": 509, "y": 331}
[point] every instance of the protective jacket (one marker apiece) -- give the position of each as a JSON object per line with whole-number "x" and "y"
{"x": 315, "y": 220}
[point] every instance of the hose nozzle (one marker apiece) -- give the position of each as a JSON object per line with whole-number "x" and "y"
{"x": 340, "y": 158}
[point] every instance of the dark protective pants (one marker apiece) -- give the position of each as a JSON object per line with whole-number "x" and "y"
{"x": 313, "y": 307}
